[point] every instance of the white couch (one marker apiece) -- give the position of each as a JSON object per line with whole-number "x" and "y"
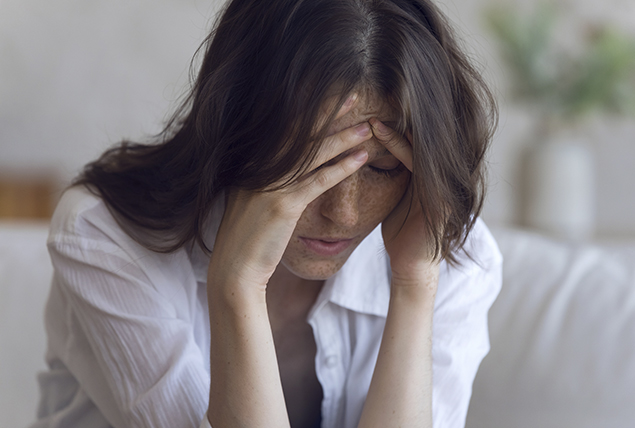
{"x": 562, "y": 336}
{"x": 25, "y": 276}
{"x": 562, "y": 333}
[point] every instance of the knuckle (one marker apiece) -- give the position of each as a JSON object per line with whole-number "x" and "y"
{"x": 386, "y": 132}
{"x": 392, "y": 141}
{"x": 394, "y": 136}
{"x": 286, "y": 207}
{"x": 323, "y": 178}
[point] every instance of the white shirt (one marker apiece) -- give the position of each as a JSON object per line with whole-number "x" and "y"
{"x": 129, "y": 336}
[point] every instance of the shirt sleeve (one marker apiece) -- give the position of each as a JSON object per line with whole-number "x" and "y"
{"x": 130, "y": 343}
{"x": 460, "y": 328}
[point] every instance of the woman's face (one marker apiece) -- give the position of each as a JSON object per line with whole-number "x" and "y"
{"x": 334, "y": 224}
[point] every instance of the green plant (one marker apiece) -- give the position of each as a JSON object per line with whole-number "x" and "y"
{"x": 565, "y": 86}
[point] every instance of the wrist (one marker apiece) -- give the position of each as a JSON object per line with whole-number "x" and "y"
{"x": 234, "y": 294}
{"x": 418, "y": 289}
{"x": 222, "y": 271}
{"x": 232, "y": 288}
{"x": 423, "y": 276}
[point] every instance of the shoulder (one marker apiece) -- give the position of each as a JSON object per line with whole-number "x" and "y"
{"x": 80, "y": 214}
{"x": 84, "y": 235}
{"x": 84, "y": 230}
{"x": 92, "y": 254}
{"x": 476, "y": 280}
{"x": 460, "y": 330}
{"x": 481, "y": 250}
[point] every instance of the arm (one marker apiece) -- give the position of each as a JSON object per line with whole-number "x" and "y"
{"x": 245, "y": 386}
{"x": 460, "y": 332}
{"x": 400, "y": 393}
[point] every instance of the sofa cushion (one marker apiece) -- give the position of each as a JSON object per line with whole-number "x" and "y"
{"x": 25, "y": 278}
{"x": 562, "y": 337}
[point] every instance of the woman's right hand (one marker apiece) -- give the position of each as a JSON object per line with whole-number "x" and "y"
{"x": 257, "y": 226}
{"x": 245, "y": 386}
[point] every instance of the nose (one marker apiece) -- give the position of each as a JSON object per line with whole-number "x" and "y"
{"x": 340, "y": 204}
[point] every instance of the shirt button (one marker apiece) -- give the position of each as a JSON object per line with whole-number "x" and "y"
{"x": 331, "y": 361}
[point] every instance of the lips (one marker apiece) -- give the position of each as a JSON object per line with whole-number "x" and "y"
{"x": 326, "y": 246}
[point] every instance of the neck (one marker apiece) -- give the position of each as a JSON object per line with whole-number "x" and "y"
{"x": 289, "y": 297}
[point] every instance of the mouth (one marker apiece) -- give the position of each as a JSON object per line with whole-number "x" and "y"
{"x": 326, "y": 246}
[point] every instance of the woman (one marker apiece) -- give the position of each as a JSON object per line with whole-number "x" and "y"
{"x": 235, "y": 272}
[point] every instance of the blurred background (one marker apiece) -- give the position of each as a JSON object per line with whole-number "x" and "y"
{"x": 78, "y": 76}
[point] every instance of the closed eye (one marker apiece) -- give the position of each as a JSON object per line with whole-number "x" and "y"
{"x": 386, "y": 165}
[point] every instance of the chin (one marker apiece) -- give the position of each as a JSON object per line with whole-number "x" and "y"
{"x": 313, "y": 270}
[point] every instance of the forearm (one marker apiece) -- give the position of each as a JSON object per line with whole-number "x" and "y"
{"x": 400, "y": 394}
{"x": 245, "y": 387}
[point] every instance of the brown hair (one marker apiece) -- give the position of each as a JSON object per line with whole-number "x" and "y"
{"x": 268, "y": 68}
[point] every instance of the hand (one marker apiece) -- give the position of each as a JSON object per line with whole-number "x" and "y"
{"x": 257, "y": 226}
{"x": 412, "y": 256}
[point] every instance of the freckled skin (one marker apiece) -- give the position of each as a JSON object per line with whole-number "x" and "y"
{"x": 355, "y": 206}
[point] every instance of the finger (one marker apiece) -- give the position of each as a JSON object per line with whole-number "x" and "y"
{"x": 329, "y": 176}
{"x": 396, "y": 144}
{"x": 330, "y": 104}
{"x": 340, "y": 142}
{"x": 348, "y": 105}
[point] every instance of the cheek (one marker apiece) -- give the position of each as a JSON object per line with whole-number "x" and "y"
{"x": 380, "y": 194}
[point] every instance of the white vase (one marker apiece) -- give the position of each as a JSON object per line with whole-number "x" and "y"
{"x": 561, "y": 189}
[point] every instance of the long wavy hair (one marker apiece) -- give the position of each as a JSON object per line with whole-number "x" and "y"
{"x": 267, "y": 71}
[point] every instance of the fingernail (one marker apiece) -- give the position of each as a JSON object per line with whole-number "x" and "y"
{"x": 363, "y": 129}
{"x": 360, "y": 155}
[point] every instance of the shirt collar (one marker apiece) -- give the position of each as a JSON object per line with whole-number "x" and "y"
{"x": 361, "y": 285}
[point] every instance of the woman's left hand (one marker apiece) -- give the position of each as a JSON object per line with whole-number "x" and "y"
{"x": 402, "y": 381}
{"x": 411, "y": 252}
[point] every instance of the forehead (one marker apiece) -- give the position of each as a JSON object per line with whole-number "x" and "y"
{"x": 368, "y": 105}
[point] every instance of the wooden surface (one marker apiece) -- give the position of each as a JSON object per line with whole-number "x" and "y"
{"x": 28, "y": 197}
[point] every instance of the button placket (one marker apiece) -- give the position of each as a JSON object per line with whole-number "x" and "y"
{"x": 329, "y": 368}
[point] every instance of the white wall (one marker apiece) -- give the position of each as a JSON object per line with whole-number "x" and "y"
{"x": 611, "y": 140}
{"x": 77, "y": 76}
